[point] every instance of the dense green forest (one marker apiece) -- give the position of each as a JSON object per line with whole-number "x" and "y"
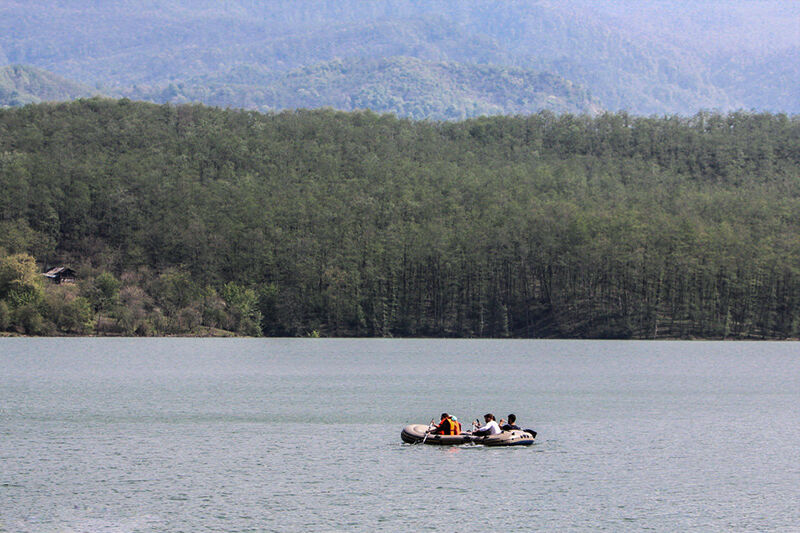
{"x": 188, "y": 219}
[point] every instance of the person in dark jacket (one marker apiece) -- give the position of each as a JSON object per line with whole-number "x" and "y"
{"x": 511, "y": 424}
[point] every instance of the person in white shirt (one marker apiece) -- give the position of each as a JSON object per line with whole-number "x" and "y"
{"x": 489, "y": 428}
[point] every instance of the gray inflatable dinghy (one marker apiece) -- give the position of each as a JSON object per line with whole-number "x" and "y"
{"x": 417, "y": 433}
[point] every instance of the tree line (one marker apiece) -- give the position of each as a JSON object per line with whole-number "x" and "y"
{"x": 197, "y": 220}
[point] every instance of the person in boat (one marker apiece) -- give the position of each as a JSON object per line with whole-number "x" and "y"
{"x": 489, "y": 428}
{"x": 449, "y": 425}
{"x": 511, "y": 424}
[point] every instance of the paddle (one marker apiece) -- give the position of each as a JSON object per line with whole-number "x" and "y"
{"x": 430, "y": 426}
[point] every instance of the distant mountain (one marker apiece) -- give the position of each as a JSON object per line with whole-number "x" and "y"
{"x": 20, "y": 85}
{"x": 404, "y": 86}
{"x": 665, "y": 57}
{"x": 770, "y": 82}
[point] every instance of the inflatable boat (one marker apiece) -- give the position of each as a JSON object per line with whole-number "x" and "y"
{"x": 418, "y": 433}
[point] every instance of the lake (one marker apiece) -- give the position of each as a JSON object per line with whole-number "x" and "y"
{"x": 236, "y": 435}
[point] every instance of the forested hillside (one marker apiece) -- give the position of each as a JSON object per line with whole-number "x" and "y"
{"x": 663, "y": 57}
{"x": 20, "y": 85}
{"x": 191, "y": 219}
{"x": 403, "y": 86}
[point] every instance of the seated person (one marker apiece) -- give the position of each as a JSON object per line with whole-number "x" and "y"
{"x": 489, "y": 428}
{"x": 447, "y": 426}
{"x": 457, "y": 424}
{"x": 511, "y": 425}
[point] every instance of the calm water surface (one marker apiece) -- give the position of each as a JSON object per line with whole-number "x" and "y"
{"x": 124, "y": 435}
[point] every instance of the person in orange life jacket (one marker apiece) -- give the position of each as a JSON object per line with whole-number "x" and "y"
{"x": 447, "y": 426}
{"x": 490, "y": 428}
{"x": 511, "y": 425}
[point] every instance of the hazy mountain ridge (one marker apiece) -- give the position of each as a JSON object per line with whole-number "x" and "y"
{"x": 653, "y": 58}
{"x": 770, "y": 82}
{"x": 20, "y": 85}
{"x": 401, "y": 85}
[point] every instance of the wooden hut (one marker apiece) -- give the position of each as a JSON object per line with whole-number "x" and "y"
{"x": 59, "y": 275}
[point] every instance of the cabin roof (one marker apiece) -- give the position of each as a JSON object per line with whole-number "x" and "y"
{"x": 59, "y": 271}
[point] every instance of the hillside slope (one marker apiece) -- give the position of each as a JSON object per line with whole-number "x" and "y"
{"x": 404, "y": 86}
{"x": 20, "y": 85}
{"x": 354, "y": 224}
{"x": 643, "y": 57}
